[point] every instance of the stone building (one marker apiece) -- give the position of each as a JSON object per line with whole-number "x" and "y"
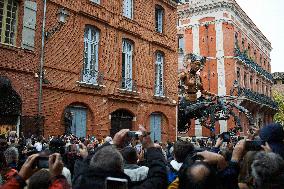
{"x": 236, "y": 50}
{"x": 103, "y": 65}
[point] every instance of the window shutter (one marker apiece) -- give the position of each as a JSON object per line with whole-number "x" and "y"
{"x": 29, "y": 25}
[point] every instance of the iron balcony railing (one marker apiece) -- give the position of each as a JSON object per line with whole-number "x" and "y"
{"x": 250, "y": 63}
{"x": 259, "y": 98}
{"x": 93, "y": 77}
{"x": 128, "y": 84}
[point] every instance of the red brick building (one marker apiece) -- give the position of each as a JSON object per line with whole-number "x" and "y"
{"x": 236, "y": 50}
{"x": 111, "y": 65}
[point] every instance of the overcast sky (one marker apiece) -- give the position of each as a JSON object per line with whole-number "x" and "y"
{"x": 268, "y": 15}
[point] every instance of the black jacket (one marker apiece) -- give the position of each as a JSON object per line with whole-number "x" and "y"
{"x": 87, "y": 177}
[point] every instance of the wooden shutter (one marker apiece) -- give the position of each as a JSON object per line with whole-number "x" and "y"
{"x": 29, "y": 25}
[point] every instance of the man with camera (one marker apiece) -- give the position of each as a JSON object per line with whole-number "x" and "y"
{"x": 55, "y": 163}
{"x": 104, "y": 169}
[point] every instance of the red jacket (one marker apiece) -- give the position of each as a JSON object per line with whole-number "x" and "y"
{"x": 17, "y": 182}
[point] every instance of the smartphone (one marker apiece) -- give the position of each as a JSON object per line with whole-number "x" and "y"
{"x": 116, "y": 183}
{"x": 226, "y": 136}
{"x": 42, "y": 162}
{"x": 254, "y": 145}
{"x": 134, "y": 134}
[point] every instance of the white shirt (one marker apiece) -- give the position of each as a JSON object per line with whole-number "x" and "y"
{"x": 38, "y": 146}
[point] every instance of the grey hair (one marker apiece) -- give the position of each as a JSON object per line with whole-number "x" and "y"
{"x": 108, "y": 158}
{"x": 266, "y": 168}
{"x": 11, "y": 155}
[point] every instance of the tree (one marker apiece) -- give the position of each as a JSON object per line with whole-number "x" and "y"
{"x": 279, "y": 99}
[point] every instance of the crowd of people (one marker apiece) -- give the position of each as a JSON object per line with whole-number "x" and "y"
{"x": 134, "y": 161}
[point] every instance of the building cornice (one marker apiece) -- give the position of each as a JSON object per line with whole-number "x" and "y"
{"x": 199, "y": 8}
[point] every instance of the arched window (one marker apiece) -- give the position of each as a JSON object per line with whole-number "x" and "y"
{"x": 159, "y": 14}
{"x": 127, "y": 57}
{"x": 91, "y": 52}
{"x": 128, "y": 8}
{"x": 159, "y": 83}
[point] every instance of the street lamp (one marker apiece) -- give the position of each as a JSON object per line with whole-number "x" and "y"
{"x": 62, "y": 16}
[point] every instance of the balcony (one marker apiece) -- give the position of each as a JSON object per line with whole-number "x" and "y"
{"x": 92, "y": 78}
{"x": 251, "y": 64}
{"x": 258, "y": 98}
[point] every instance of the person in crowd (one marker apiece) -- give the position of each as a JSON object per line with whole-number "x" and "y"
{"x": 38, "y": 145}
{"x": 39, "y": 180}
{"x": 180, "y": 151}
{"x": 136, "y": 173}
{"x": 245, "y": 176}
{"x": 12, "y": 157}
{"x": 268, "y": 171}
{"x": 108, "y": 162}
{"x": 57, "y": 181}
{"x": 273, "y": 135}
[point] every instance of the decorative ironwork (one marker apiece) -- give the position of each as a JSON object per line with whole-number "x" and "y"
{"x": 128, "y": 84}
{"x": 250, "y": 63}
{"x": 259, "y": 98}
{"x": 92, "y": 77}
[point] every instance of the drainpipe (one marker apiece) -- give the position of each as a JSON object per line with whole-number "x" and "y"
{"x": 41, "y": 59}
{"x": 207, "y": 43}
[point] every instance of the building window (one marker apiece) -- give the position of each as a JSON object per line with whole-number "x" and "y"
{"x": 91, "y": 51}
{"x": 245, "y": 80}
{"x": 181, "y": 44}
{"x": 159, "y": 14}
{"x": 8, "y": 21}
{"x": 260, "y": 60}
{"x": 128, "y": 8}
{"x": 257, "y": 86}
{"x": 127, "y": 57}
{"x": 159, "y": 81}
{"x": 251, "y": 82}
{"x": 236, "y": 40}
{"x": 96, "y": 1}
{"x": 238, "y": 74}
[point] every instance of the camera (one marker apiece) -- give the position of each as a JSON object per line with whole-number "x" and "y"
{"x": 42, "y": 162}
{"x": 226, "y": 136}
{"x": 134, "y": 134}
{"x": 254, "y": 145}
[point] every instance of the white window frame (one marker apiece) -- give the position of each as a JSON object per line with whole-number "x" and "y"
{"x": 96, "y": 1}
{"x": 159, "y": 75}
{"x": 12, "y": 29}
{"x": 91, "y": 55}
{"x": 127, "y": 52}
{"x": 159, "y": 15}
{"x": 128, "y": 8}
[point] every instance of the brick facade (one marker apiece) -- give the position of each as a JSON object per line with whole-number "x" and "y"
{"x": 216, "y": 33}
{"x": 64, "y": 57}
